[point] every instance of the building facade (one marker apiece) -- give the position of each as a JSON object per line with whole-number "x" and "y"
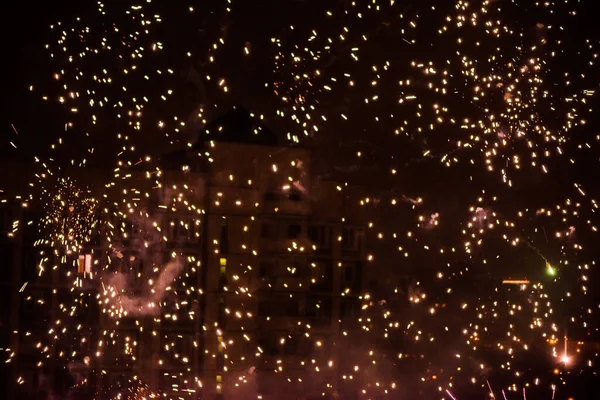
{"x": 283, "y": 255}
{"x": 238, "y": 275}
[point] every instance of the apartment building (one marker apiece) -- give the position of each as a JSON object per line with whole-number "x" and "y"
{"x": 275, "y": 248}
{"x": 37, "y": 294}
{"x": 273, "y": 261}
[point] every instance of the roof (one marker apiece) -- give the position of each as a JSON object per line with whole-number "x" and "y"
{"x": 240, "y": 126}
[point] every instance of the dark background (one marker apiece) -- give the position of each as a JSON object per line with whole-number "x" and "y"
{"x": 25, "y": 30}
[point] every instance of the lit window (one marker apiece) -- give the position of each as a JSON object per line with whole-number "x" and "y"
{"x": 84, "y": 264}
{"x": 223, "y": 265}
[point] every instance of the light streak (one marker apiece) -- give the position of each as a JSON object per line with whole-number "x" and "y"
{"x": 498, "y": 121}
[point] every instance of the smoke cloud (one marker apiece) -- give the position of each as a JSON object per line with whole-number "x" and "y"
{"x": 147, "y": 304}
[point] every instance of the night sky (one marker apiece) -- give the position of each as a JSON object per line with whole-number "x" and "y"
{"x": 476, "y": 145}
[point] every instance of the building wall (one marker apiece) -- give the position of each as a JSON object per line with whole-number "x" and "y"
{"x": 39, "y": 295}
{"x": 295, "y": 260}
{"x": 294, "y": 244}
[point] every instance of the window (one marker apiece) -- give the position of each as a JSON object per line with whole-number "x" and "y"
{"x": 294, "y": 231}
{"x": 278, "y": 306}
{"x": 270, "y": 346}
{"x": 351, "y": 277}
{"x": 320, "y": 235}
{"x": 318, "y": 272}
{"x": 174, "y": 228}
{"x": 6, "y": 255}
{"x": 196, "y": 228}
{"x": 87, "y": 312}
{"x": 318, "y": 308}
{"x": 118, "y": 381}
{"x": 293, "y": 345}
{"x": 30, "y": 231}
{"x": 348, "y": 273}
{"x": 84, "y": 264}
{"x": 222, "y": 272}
{"x": 300, "y": 269}
{"x": 271, "y": 195}
{"x": 137, "y": 266}
{"x": 180, "y": 229}
{"x": 291, "y": 308}
{"x": 36, "y": 304}
{"x": 293, "y": 266}
{"x": 5, "y": 220}
{"x": 182, "y": 344}
{"x": 295, "y": 195}
{"x": 172, "y": 381}
{"x": 264, "y": 308}
{"x": 224, "y": 248}
{"x": 31, "y": 265}
{"x": 350, "y": 239}
{"x": 129, "y": 230}
{"x": 349, "y": 310}
{"x": 321, "y": 276}
{"x": 265, "y": 269}
{"x": 267, "y": 231}
{"x": 136, "y": 230}
{"x": 129, "y": 263}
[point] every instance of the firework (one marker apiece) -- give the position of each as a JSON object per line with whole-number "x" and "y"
{"x": 455, "y": 121}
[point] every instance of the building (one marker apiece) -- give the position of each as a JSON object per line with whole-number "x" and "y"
{"x": 279, "y": 246}
{"x": 35, "y": 339}
{"x": 257, "y": 265}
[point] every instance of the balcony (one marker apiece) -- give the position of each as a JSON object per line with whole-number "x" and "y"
{"x": 352, "y": 242}
{"x": 290, "y": 283}
{"x": 280, "y": 202}
{"x": 283, "y": 245}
